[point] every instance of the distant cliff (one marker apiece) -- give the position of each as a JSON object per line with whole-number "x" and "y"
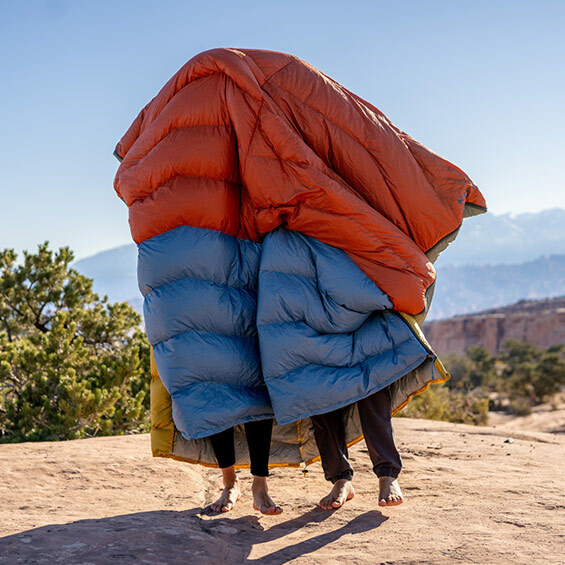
{"x": 539, "y": 322}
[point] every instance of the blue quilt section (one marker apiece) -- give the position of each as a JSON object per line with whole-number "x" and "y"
{"x": 243, "y": 330}
{"x": 327, "y": 334}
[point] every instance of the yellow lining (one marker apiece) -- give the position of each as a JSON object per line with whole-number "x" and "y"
{"x": 215, "y": 465}
{"x": 423, "y": 389}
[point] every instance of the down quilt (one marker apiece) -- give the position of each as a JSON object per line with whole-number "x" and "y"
{"x": 286, "y": 231}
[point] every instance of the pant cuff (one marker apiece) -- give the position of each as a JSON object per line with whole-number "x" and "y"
{"x": 225, "y": 464}
{"x": 347, "y": 475}
{"x": 387, "y": 471}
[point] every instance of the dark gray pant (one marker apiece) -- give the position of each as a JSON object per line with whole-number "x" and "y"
{"x": 376, "y": 423}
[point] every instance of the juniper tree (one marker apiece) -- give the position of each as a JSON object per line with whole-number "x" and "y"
{"x": 71, "y": 364}
{"x": 531, "y": 375}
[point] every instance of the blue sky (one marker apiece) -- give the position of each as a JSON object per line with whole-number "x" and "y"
{"x": 479, "y": 82}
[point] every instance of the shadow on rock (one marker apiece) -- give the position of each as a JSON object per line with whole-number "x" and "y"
{"x": 170, "y": 537}
{"x": 360, "y": 524}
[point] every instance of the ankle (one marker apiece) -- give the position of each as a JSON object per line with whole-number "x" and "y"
{"x": 259, "y": 483}
{"x": 229, "y": 477}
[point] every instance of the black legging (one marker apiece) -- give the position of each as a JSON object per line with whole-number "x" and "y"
{"x": 258, "y": 435}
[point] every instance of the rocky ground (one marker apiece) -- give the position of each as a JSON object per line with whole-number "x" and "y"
{"x": 473, "y": 495}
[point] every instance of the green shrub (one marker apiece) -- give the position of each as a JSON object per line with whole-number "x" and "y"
{"x": 71, "y": 364}
{"x": 518, "y": 378}
{"x": 530, "y": 375}
{"x": 441, "y": 403}
{"x": 477, "y": 368}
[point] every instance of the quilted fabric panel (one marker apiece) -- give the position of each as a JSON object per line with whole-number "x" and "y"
{"x": 242, "y": 330}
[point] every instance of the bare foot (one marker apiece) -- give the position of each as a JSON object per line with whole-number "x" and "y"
{"x": 228, "y": 498}
{"x": 261, "y": 499}
{"x": 231, "y": 492}
{"x": 389, "y": 492}
{"x": 341, "y": 492}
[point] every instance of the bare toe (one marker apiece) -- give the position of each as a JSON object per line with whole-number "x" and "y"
{"x": 228, "y": 498}
{"x": 341, "y": 492}
{"x": 338, "y": 501}
{"x": 263, "y": 503}
{"x": 274, "y": 510}
{"x": 326, "y": 502}
{"x": 389, "y": 492}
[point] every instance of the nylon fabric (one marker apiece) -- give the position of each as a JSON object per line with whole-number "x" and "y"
{"x": 286, "y": 232}
{"x": 322, "y": 336}
{"x": 259, "y": 139}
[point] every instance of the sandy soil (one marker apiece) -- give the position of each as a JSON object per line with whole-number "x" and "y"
{"x": 471, "y": 497}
